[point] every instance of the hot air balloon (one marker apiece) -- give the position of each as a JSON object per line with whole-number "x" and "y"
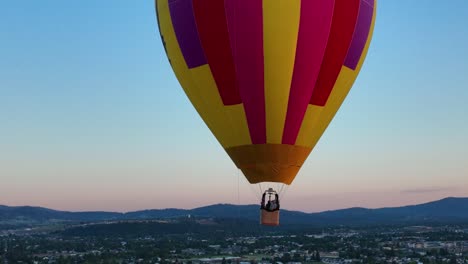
{"x": 266, "y": 76}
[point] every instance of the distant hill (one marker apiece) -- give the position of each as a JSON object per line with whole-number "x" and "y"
{"x": 448, "y": 210}
{"x": 445, "y": 210}
{"x": 212, "y": 227}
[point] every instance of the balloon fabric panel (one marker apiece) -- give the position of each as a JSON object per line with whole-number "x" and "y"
{"x": 366, "y": 13}
{"x": 245, "y": 24}
{"x": 185, "y": 28}
{"x": 220, "y": 119}
{"x": 314, "y": 29}
{"x": 318, "y": 118}
{"x": 345, "y": 15}
{"x": 280, "y": 32}
{"x": 214, "y": 36}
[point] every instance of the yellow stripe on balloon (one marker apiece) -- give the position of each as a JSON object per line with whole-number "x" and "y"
{"x": 308, "y": 130}
{"x": 240, "y": 127}
{"x": 280, "y": 31}
{"x": 317, "y": 119}
{"x": 201, "y": 89}
{"x": 232, "y": 129}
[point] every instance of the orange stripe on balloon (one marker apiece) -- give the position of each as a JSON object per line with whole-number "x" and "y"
{"x": 314, "y": 29}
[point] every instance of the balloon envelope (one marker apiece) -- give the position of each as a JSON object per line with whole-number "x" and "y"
{"x": 267, "y": 76}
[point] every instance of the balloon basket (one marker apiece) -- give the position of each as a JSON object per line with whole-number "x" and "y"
{"x": 269, "y": 218}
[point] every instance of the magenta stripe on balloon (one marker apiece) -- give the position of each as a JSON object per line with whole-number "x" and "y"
{"x": 345, "y": 16}
{"x": 245, "y": 25}
{"x": 210, "y": 16}
{"x": 314, "y": 29}
{"x": 366, "y": 11}
{"x": 186, "y": 32}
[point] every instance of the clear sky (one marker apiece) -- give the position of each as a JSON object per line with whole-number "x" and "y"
{"x": 92, "y": 117}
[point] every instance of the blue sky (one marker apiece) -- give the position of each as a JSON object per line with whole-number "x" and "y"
{"x": 92, "y": 117}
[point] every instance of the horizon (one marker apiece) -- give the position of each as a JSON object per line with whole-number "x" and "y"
{"x": 229, "y": 204}
{"x": 92, "y": 116}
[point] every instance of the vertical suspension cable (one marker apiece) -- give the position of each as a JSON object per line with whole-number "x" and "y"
{"x": 238, "y": 194}
{"x": 281, "y": 189}
{"x": 238, "y": 187}
{"x": 254, "y": 191}
{"x": 285, "y": 190}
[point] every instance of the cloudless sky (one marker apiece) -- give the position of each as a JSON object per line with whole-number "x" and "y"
{"x": 93, "y": 118}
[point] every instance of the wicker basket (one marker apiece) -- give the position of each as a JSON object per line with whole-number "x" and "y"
{"x": 269, "y": 218}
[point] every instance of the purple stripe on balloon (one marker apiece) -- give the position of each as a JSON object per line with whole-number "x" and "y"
{"x": 366, "y": 11}
{"x": 370, "y": 3}
{"x": 185, "y": 28}
{"x": 245, "y": 25}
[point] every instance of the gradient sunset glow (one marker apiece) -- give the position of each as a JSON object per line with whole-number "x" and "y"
{"x": 93, "y": 118}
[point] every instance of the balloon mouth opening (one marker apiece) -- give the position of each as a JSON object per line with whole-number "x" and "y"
{"x": 271, "y": 172}
{"x": 269, "y": 162}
